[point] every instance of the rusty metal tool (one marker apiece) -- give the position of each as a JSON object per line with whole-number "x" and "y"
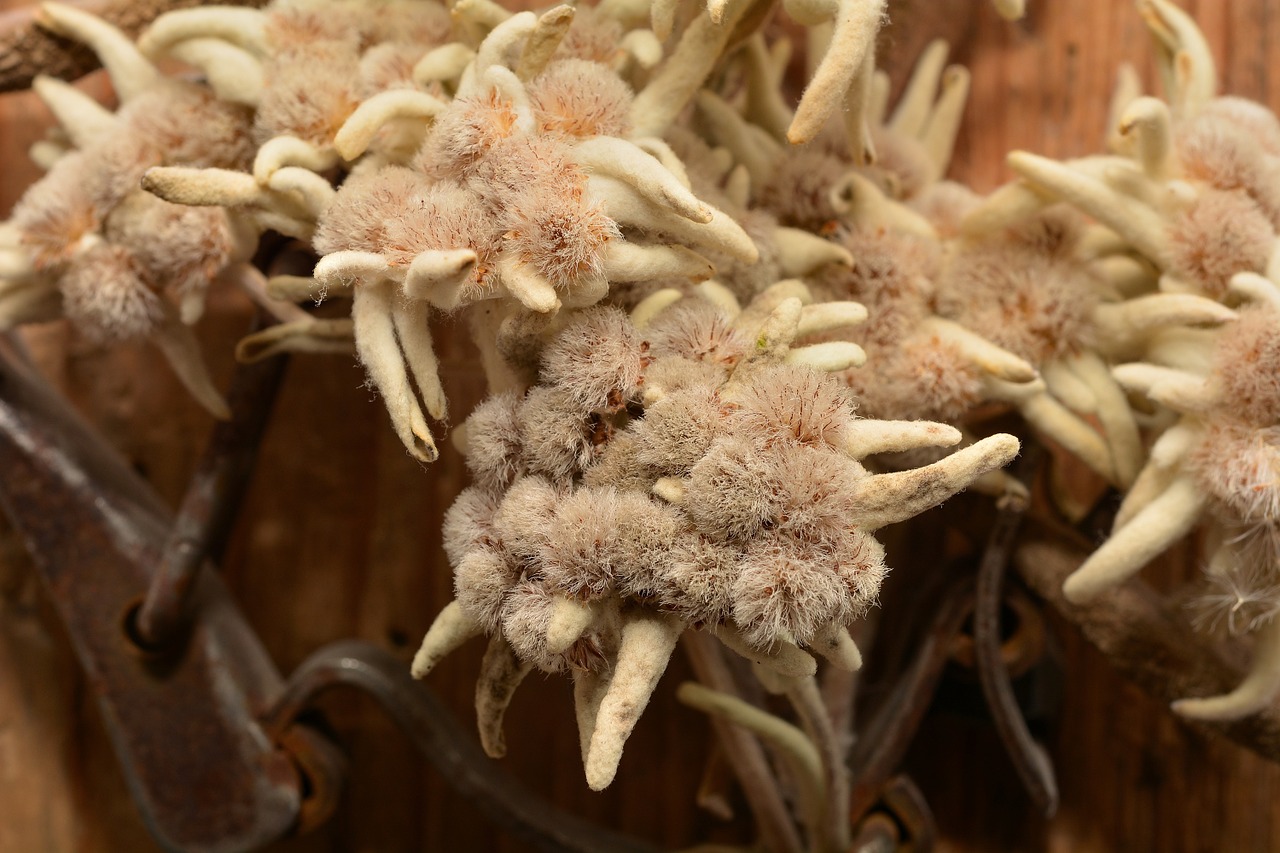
{"x": 437, "y": 735}
{"x": 182, "y": 718}
{"x": 210, "y": 505}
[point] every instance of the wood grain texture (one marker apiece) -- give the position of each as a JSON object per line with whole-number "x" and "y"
{"x": 340, "y": 537}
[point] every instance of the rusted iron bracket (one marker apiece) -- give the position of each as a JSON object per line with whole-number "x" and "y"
{"x": 1030, "y": 759}
{"x": 213, "y": 497}
{"x": 205, "y": 730}
{"x": 901, "y": 822}
{"x": 882, "y": 745}
{"x": 438, "y": 736}
{"x": 183, "y": 717}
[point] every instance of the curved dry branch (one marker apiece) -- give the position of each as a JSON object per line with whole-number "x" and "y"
{"x": 1148, "y": 642}
{"x": 28, "y": 49}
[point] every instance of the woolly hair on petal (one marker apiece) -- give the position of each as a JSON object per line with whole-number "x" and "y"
{"x": 561, "y": 236}
{"x": 469, "y": 523}
{"x": 188, "y": 126}
{"x": 56, "y": 212}
{"x": 648, "y": 531}
{"x": 1218, "y": 153}
{"x": 729, "y": 494}
{"x": 1223, "y": 233}
{"x": 859, "y": 562}
{"x": 104, "y": 295}
{"x": 1258, "y": 123}
{"x": 493, "y": 441}
{"x": 737, "y": 491}
{"x": 593, "y": 36}
{"x": 527, "y": 613}
{"x": 679, "y": 429}
{"x": 442, "y": 217}
{"x": 582, "y": 544}
{"x": 523, "y": 518}
{"x": 482, "y": 580}
{"x": 597, "y": 358}
{"x": 1246, "y": 366}
{"x": 388, "y": 66}
{"x": 788, "y": 404}
{"x": 184, "y": 247}
{"x": 1021, "y": 298}
{"x": 356, "y": 220}
{"x": 560, "y": 437}
{"x": 698, "y": 331}
{"x": 467, "y": 131}
{"x": 1239, "y": 466}
{"x": 310, "y": 95}
{"x": 697, "y": 581}
{"x": 581, "y": 99}
{"x": 785, "y": 589}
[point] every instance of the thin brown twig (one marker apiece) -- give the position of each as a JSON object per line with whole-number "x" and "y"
{"x": 27, "y": 49}
{"x": 743, "y": 750}
{"x": 1147, "y": 641}
{"x": 807, "y": 702}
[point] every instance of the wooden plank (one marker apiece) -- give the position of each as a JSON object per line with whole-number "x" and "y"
{"x": 341, "y": 538}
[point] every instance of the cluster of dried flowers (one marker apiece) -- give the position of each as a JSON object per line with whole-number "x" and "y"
{"x": 1191, "y": 194}
{"x": 692, "y": 471}
{"x": 674, "y": 279}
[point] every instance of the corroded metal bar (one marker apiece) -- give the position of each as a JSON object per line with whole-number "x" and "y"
{"x": 182, "y": 718}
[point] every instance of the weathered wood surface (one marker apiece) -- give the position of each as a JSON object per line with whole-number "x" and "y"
{"x": 340, "y": 538}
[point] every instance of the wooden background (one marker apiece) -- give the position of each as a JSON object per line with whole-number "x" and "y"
{"x": 340, "y": 538}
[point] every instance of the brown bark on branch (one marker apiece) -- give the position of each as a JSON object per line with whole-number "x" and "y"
{"x": 1148, "y": 643}
{"x": 27, "y": 49}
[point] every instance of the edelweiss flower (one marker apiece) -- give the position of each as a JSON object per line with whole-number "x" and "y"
{"x": 1221, "y": 462}
{"x": 86, "y": 242}
{"x": 684, "y": 467}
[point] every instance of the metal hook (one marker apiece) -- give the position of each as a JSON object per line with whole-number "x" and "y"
{"x": 183, "y": 718}
{"x": 210, "y": 505}
{"x": 454, "y": 752}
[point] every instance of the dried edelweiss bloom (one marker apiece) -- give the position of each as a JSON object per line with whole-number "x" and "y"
{"x": 305, "y": 65}
{"x": 843, "y": 81}
{"x": 1219, "y": 463}
{"x": 912, "y": 148}
{"x": 86, "y": 242}
{"x": 923, "y": 335}
{"x": 515, "y": 174}
{"x": 1188, "y": 221}
{"x": 933, "y": 314}
{"x": 716, "y": 175}
{"x": 1036, "y": 289}
{"x": 1198, "y": 193}
{"x": 1034, "y": 294}
{"x": 689, "y": 465}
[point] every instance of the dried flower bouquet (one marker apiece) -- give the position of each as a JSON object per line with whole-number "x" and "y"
{"x": 726, "y": 340}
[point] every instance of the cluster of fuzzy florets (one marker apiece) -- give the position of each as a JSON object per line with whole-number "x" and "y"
{"x": 687, "y": 471}
{"x": 1189, "y": 231}
{"x": 762, "y": 535}
{"x": 693, "y": 463}
{"x": 87, "y": 242}
{"x": 113, "y": 251}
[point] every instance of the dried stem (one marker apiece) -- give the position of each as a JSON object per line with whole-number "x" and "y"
{"x": 743, "y": 750}
{"x": 1147, "y": 641}
{"x": 27, "y": 49}
{"x": 805, "y": 697}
